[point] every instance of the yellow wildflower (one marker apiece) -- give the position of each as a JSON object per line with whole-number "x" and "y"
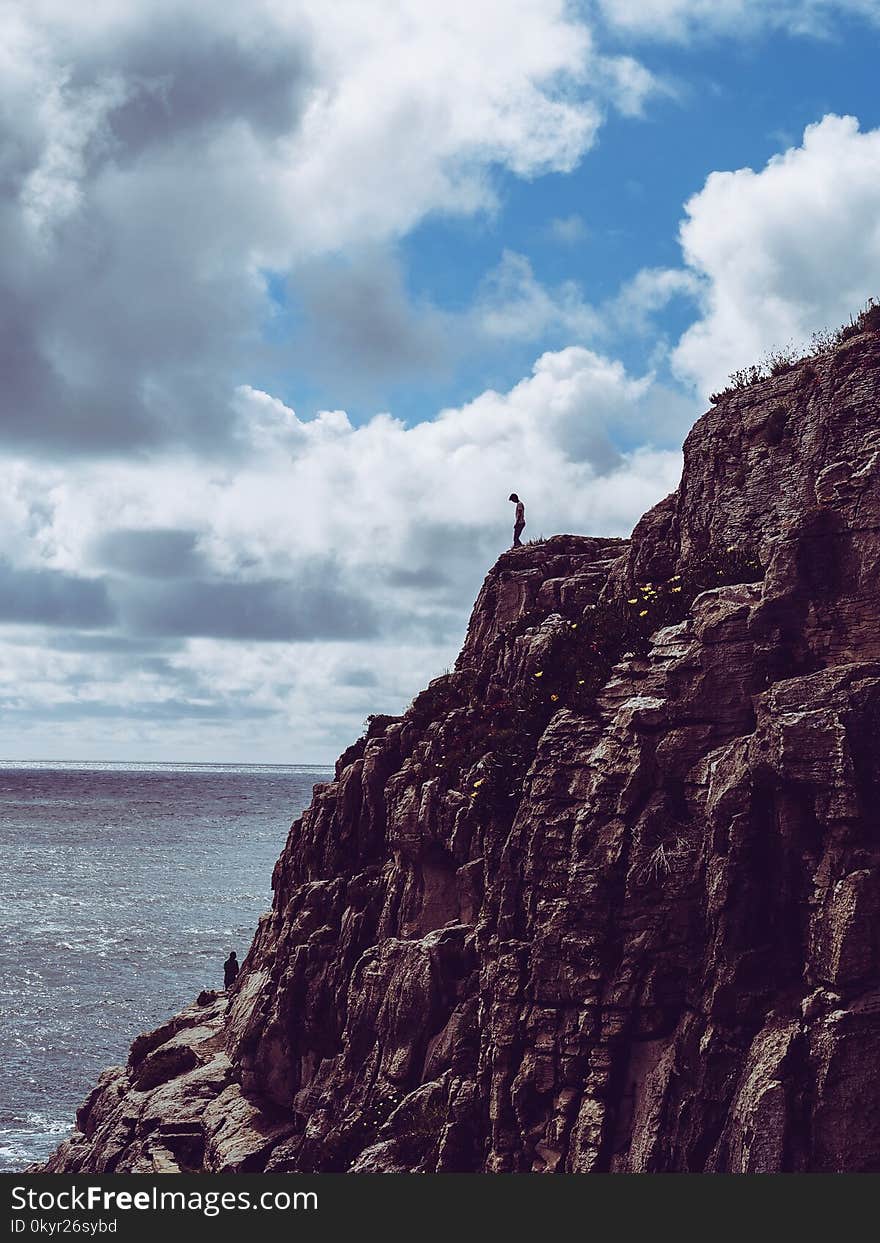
{"x": 477, "y": 784}
{"x": 676, "y": 589}
{"x": 540, "y": 673}
{"x": 554, "y": 698}
{"x": 580, "y": 681}
{"x": 632, "y": 601}
{"x": 574, "y": 625}
{"x": 644, "y": 613}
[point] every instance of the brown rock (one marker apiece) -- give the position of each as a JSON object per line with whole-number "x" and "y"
{"x": 635, "y": 934}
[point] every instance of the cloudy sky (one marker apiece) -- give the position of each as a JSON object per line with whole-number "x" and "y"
{"x": 295, "y": 293}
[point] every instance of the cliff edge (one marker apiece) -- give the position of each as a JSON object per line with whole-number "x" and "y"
{"x": 607, "y": 896}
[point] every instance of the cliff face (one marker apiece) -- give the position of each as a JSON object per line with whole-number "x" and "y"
{"x": 564, "y": 916}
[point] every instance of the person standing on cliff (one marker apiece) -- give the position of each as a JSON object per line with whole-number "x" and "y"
{"x": 519, "y": 520}
{"x": 230, "y": 970}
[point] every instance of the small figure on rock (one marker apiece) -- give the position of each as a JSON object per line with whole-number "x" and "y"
{"x": 230, "y": 970}
{"x": 520, "y": 519}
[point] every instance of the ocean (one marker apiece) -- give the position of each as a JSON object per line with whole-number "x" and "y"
{"x": 123, "y": 889}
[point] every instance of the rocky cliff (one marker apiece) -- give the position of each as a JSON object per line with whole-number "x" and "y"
{"x": 607, "y": 896}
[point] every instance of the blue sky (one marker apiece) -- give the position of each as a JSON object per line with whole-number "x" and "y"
{"x": 295, "y": 294}
{"x": 730, "y": 104}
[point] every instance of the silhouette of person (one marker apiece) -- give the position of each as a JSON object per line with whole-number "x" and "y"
{"x": 230, "y": 970}
{"x": 519, "y": 520}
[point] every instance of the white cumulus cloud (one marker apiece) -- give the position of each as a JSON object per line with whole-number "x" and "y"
{"x": 326, "y": 575}
{"x": 161, "y": 159}
{"x": 784, "y": 251}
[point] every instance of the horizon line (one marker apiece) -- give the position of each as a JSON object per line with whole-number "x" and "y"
{"x": 162, "y": 763}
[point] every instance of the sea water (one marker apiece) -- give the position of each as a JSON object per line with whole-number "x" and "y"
{"x": 123, "y": 888}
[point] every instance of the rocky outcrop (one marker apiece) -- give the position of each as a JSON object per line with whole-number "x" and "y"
{"x": 527, "y": 929}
